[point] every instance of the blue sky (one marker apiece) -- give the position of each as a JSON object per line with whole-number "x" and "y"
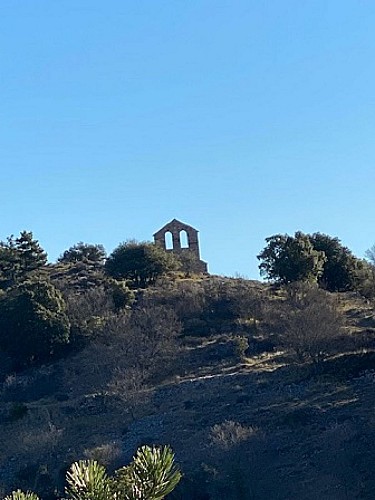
{"x": 241, "y": 118}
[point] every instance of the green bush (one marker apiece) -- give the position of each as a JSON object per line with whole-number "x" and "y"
{"x": 122, "y": 295}
{"x": 33, "y": 321}
{"x": 150, "y": 476}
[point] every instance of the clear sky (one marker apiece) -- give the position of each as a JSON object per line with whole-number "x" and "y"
{"x": 243, "y": 118}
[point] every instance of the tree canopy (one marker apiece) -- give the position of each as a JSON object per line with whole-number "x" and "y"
{"x": 84, "y": 252}
{"x": 286, "y": 259}
{"x": 19, "y": 257}
{"x": 33, "y": 321}
{"x": 140, "y": 262}
{"x": 340, "y": 267}
{"x": 316, "y": 257}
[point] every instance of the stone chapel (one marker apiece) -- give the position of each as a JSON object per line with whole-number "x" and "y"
{"x": 182, "y": 239}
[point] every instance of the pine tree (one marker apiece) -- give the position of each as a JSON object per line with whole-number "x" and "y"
{"x": 30, "y": 253}
{"x": 19, "y": 257}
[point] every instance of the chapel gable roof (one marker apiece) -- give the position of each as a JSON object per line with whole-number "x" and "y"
{"x": 175, "y": 225}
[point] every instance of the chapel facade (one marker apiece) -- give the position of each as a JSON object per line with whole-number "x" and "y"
{"x": 182, "y": 240}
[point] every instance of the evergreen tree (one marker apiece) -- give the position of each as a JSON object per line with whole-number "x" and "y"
{"x": 19, "y": 257}
{"x": 84, "y": 252}
{"x": 340, "y": 268}
{"x": 33, "y": 321}
{"x": 314, "y": 257}
{"x": 9, "y": 263}
{"x": 30, "y": 253}
{"x": 286, "y": 259}
{"x": 142, "y": 263}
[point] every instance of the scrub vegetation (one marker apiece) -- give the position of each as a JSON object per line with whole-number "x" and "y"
{"x": 262, "y": 389}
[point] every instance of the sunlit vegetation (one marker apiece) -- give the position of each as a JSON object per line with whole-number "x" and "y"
{"x": 150, "y": 476}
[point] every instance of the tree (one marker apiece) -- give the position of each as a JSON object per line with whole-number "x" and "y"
{"x": 9, "y": 263}
{"x": 19, "y": 257}
{"x": 286, "y": 259}
{"x": 31, "y": 255}
{"x": 312, "y": 257}
{"x": 142, "y": 263}
{"x": 33, "y": 321}
{"x": 340, "y": 267}
{"x": 84, "y": 252}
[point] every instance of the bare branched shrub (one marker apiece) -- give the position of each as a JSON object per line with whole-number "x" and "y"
{"x": 246, "y": 300}
{"x": 185, "y": 298}
{"x": 105, "y": 454}
{"x": 131, "y": 386}
{"x": 233, "y": 458}
{"x": 146, "y": 338}
{"x": 131, "y": 349}
{"x": 231, "y": 302}
{"x": 230, "y": 434}
{"x": 82, "y": 307}
{"x": 311, "y": 322}
{"x": 87, "y": 311}
{"x": 46, "y": 440}
{"x": 155, "y": 330}
{"x": 205, "y": 307}
{"x": 115, "y": 329}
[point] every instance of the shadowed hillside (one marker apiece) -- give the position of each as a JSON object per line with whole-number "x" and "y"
{"x": 213, "y": 367}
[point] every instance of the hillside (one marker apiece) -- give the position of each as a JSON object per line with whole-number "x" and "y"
{"x": 199, "y": 364}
